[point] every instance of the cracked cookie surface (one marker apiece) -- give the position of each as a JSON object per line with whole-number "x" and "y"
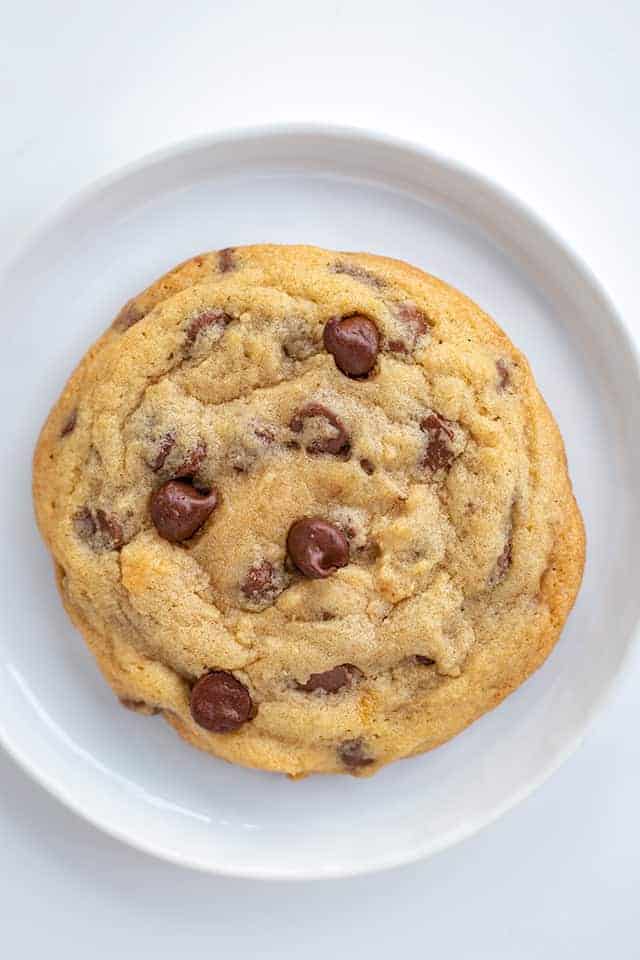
{"x": 310, "y": 506}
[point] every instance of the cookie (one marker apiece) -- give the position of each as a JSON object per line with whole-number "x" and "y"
{"x": 311, "y": 507}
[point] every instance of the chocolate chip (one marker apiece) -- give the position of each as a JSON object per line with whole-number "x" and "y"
{"x": 367, "y": 466}
{"x": 331, "y": 681}
{"x": 359, "y": 273}
{"x": 423, "y": 661}
{"x": 414, "y": 319}
{"x": 265, "y": 434}
{"x": 70, "y": 423}
{"x": 164, "y": 449}
{"x": 505, "y": 557}
{"x": 178, "y": 509}
{"x": 415, "y": 324}
{"x": 131, "y": 704}
{"x": 226, "y": 259}
{"x": 438, "y": 454}
{"x": 503, "y": 562}
{"x": 504, "y": 374}
{"x": 130, "y": 314}
{"x": 84, "y": 523}
{"x": 193, "y": 461}
{"x": 316, "y": 547}
{"x": 336, "y": 442}
{"x": 353, "y": 754}
{"x": 261, "y": 584}
{"x": 111, "y": 530}
{"x": 353, "y": 342}
{"x": 103, "y": 530}
{"x": 139, "y": 706}
{"x": 220, "y": 703}
{"x": 217, "y": 319}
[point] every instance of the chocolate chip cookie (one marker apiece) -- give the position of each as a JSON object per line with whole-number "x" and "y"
{"x": 311, "y": 507}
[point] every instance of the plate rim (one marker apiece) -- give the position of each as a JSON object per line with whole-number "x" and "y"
{"x": 238, "y": 135}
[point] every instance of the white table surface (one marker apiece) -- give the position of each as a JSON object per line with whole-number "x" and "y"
{"x": 542, "y": 97}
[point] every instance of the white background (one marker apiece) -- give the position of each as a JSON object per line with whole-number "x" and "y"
{"x": 542, "y": 97}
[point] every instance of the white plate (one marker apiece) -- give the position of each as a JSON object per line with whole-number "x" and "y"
{"x": 347, "y": 190}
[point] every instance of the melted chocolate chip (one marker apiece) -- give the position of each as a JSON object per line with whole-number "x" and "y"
{"x": 415, "y": 325}
{"x": 331, "y": 681}
{"x": 353, "y": 342}
{"x": 367, "y": 466}
{"x": 220, "y": 703}
{"x": 260, "y": 584}
{"x": 111, "y": 529}
{"x": 265, "y": 434}
{"x": 193, "y": 461}
{"x": 438, "y": 454}
{"x": 132, "y": 704}
{"x": 504, "y": 374}
{"x": 337, "y": 442}
{"x": 178, "y": 509}
{"x": 130, "y": 314}
{"x": 503, "y": 562}
{"x": 101, "y": 529}
{"x": 317, "y": 548}
{"x": 414, "y": 319}
{"x": 226, "y": 259}
{"x": 84, "y": 523}
{"x": 353, "y": 754}
{"x": 70, "y": 423}
{"x": 139, "y": 706}
{"x": 204, "y": 321}
{"x": 359, "y": 273}
{"x": 423, "y": 661}
{"x": 165, "y": 446}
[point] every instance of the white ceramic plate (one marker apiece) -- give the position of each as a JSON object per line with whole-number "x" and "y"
{"x": 347, "y": 190}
